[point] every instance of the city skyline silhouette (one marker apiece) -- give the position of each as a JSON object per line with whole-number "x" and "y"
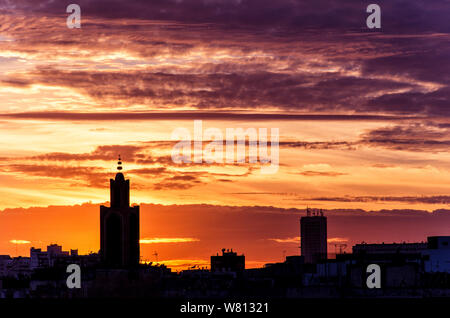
{"x": 120, "y": 200}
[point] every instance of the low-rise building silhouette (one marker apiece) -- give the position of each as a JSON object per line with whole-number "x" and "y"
{"x": 229, "y": 261}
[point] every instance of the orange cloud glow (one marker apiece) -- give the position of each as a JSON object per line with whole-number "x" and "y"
{"x": 158, "y": 240}
{"x": 19, "y": 242}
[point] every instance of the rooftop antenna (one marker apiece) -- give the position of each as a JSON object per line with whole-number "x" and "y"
{"x": 341, "y": 247}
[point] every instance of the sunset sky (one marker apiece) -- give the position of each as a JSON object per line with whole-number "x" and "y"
{"x": 363, "y": 116}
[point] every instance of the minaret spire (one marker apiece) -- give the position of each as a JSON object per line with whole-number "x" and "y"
{"x": 119, "y": 225}
{"x": 119, "y": 164}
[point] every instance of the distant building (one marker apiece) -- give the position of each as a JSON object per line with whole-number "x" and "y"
{"x": 437, "y": 255}
{"x": 119, "y": 226}
{"x": 55, "y": 256}
{"x": 313, "y": 232}
{"x": 292, "y": 266}
{"x": 38, "y": 258}
{"x": 18, "y": 266}
{"x": 56, "y": 250}
{"x": 5, "y": 260}
{"x": 229, "y": 261}
{"x": 390, "y": 248}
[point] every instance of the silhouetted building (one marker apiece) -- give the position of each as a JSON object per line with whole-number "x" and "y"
{"x": 55, "y": 256}
{"x": 119, "y": 226}
{"x": 229, "y": 261}
{"x": 5, "y": 260}
{"x": 435, "y": 253}
{"x": 313, "y": 231}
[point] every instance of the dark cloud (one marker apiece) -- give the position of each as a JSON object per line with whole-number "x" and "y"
{"x": 167, "y": 185}
{"x": 280, "y": 56}
{"x": 432, "y": 104}
{"x": 94, "y": 177}
{"x": 437, "y": 199}
{"x": 383, "y": 165}
{"x": 81, "y": 176}
{"x": 333, "y": 93}
{"x": 311, "y": 173}
{"x": 183, "y": 115}
{"x": 398, "y": 15}
{"x": 344, "y": 145}
{"x": 148, "y": 171}
{"x": 414, "y": 61}
{"x": 106, "y": 152}
{"x": 413, "y": 137}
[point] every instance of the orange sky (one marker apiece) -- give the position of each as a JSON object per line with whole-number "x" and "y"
{"x": 324, "y": 160}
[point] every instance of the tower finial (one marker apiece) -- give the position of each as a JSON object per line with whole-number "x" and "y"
{"x": 119, "y": 164}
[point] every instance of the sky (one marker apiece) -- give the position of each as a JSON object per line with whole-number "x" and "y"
{"x": 362, "y": 114}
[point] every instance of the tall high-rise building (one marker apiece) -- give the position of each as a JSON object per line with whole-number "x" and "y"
{"x": 119, "y": 226}
{"x": 313, "y": 231}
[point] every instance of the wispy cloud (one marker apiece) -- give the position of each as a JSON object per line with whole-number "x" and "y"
{"x": 436, "y": 199}
{"x": 183, "y": 264}
{"x": 296, "y": 240}
{"x": 337, "y": 240}
{"x": 310, "y": 173}
{"x": 287, "y": 240}
{"x": 160, "y": 240}
{"x": 20, "y": 242}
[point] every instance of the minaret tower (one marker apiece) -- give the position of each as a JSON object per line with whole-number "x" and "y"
{"x": 119, "y": 225}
